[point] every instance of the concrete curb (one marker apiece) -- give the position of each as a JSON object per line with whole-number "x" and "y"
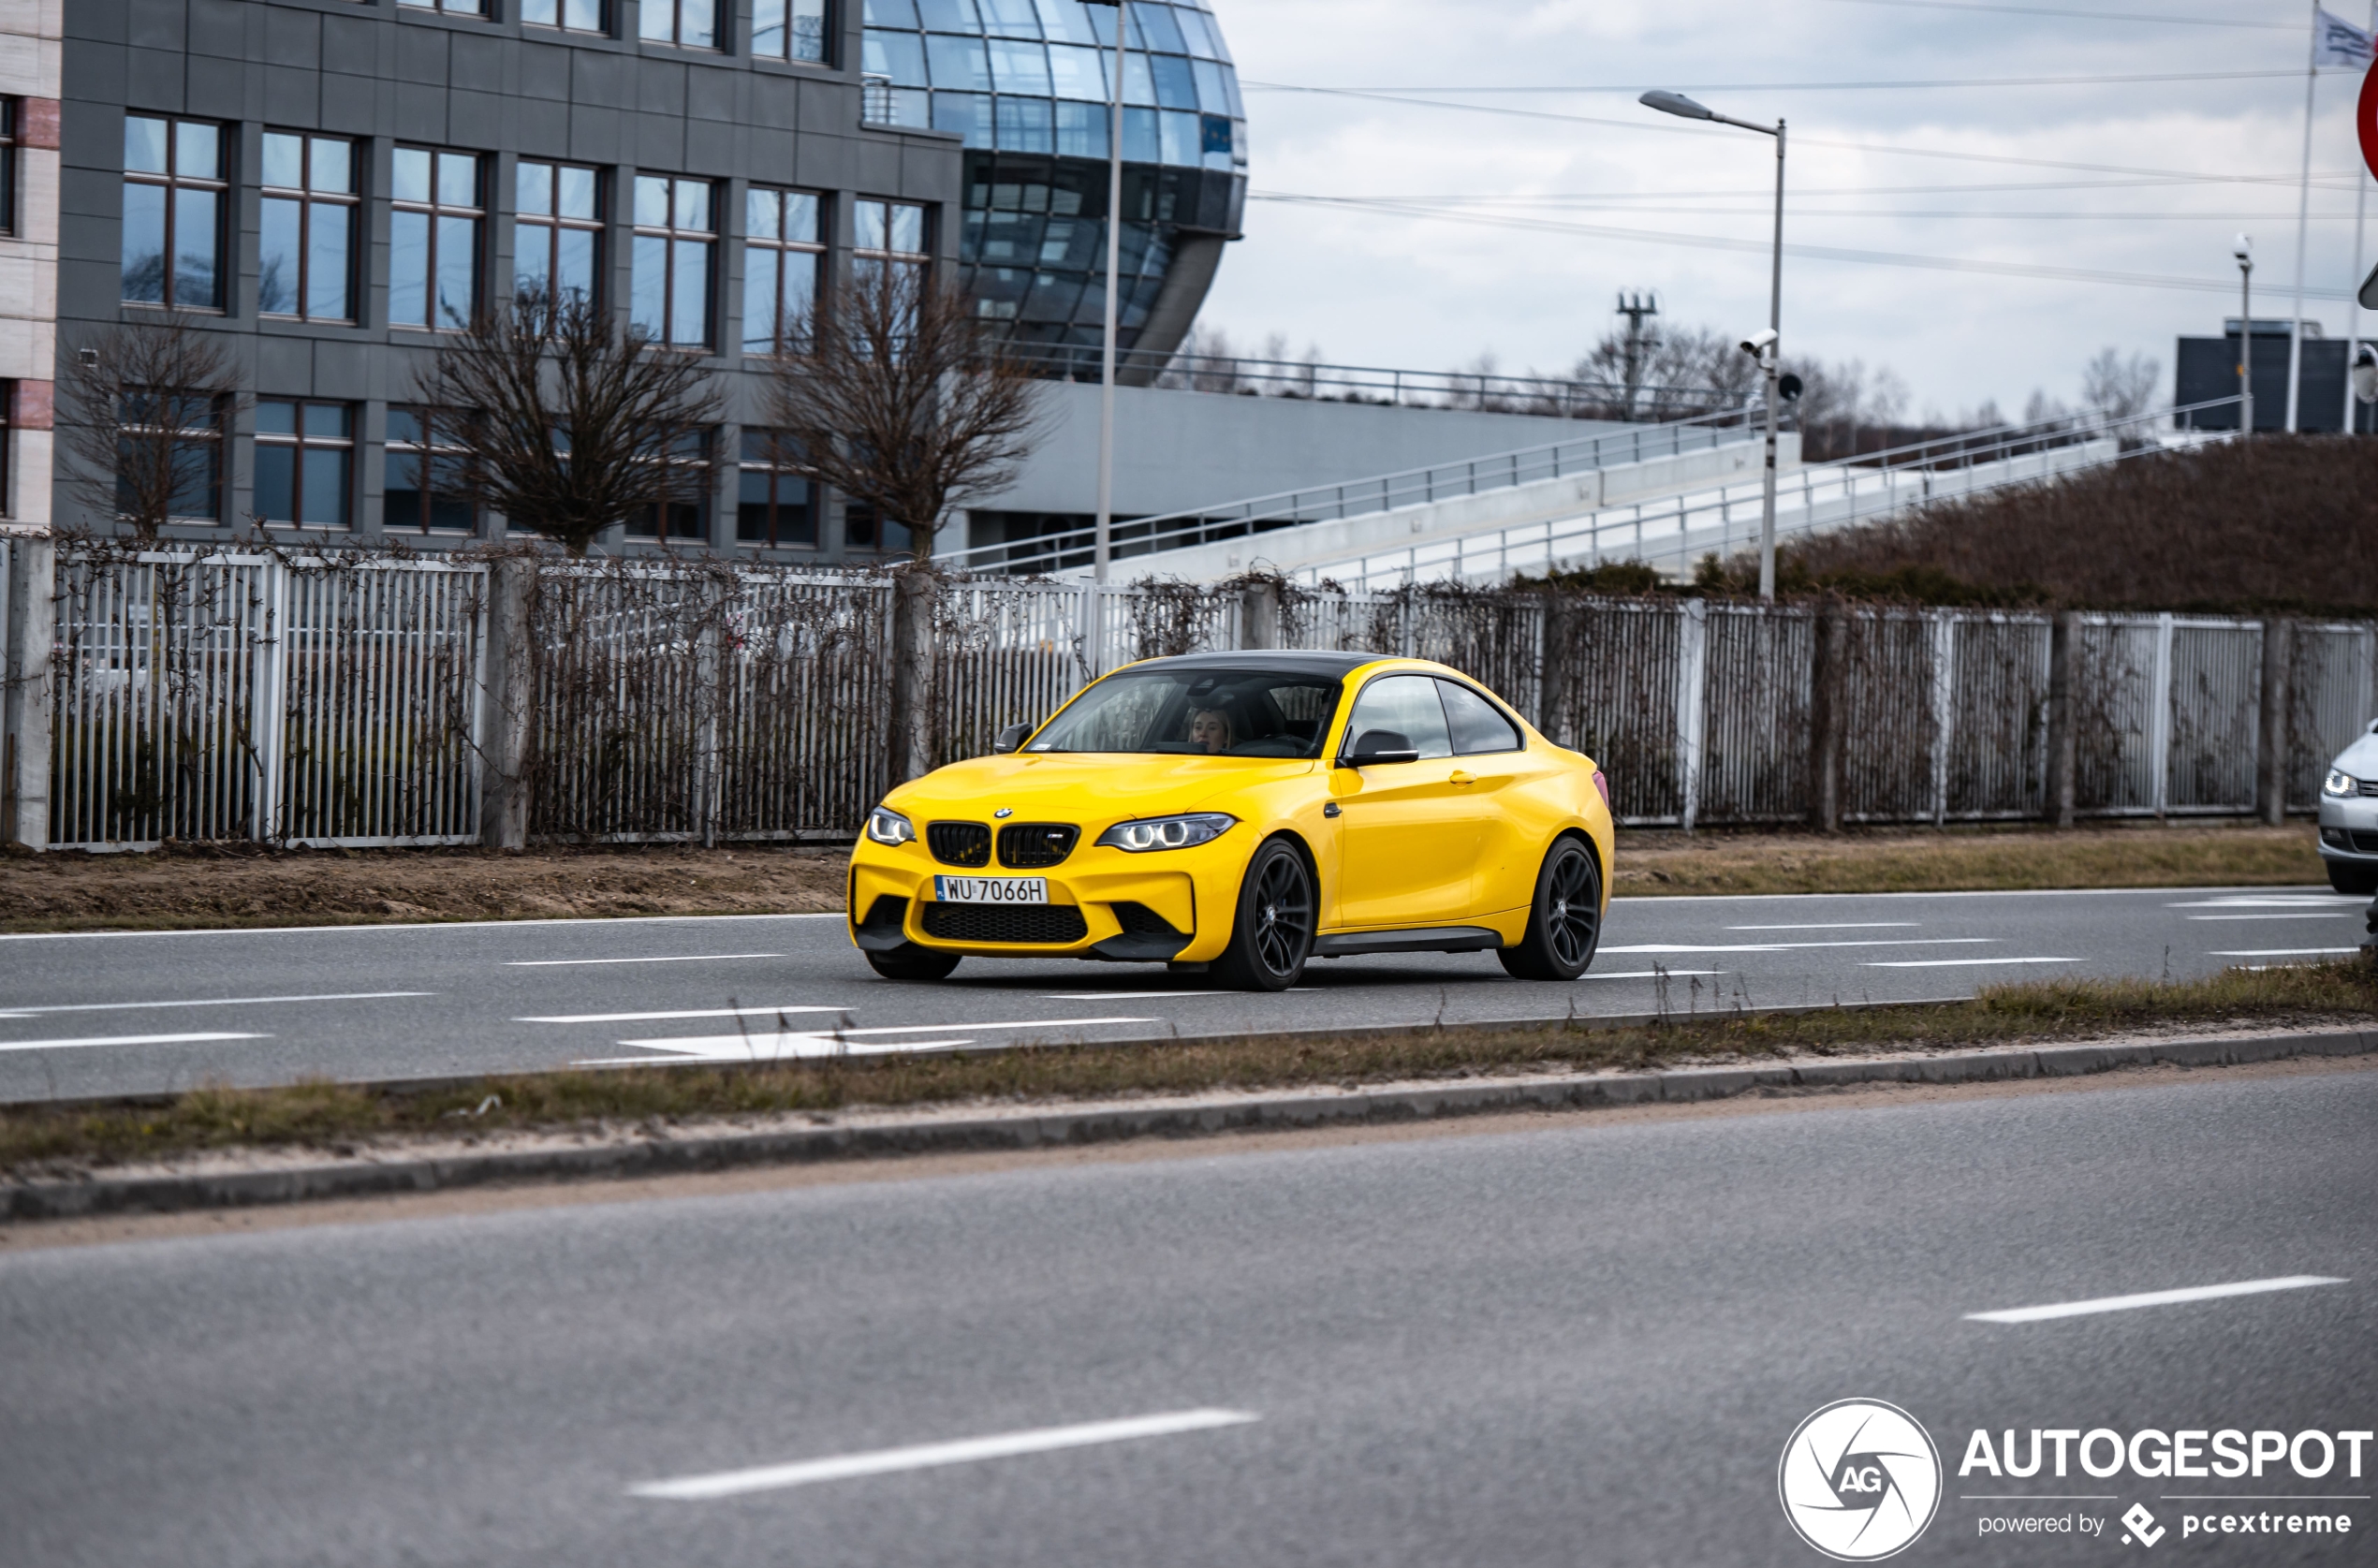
{"x": 1053, "y": 1129}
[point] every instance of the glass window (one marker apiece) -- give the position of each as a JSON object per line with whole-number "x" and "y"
{"x": 863, "y": 529}
{"x": 1182, "y": 136}
{"x": 1176, "y": 87}
{"x": 1078, "y": 73}
{"x": 959, "y": 63}
{"x": 1399, "y": 713}
{"x": 1477, "y": 725}
{"x": 10, "y": 111}
{"x": 1014, "y": 19}
{"x": 452, "y": 7}
{"x": 304, "y": 462}
{"x": 557, "y": 243}
{"x": 1066, "y": 21}
{"x": 888, "y": 233}
{"x": 1081, "y": 130}
{"x": 424, "y": 491}
{"x": 306, "y": 258}
{"x": 1024, "y": 126}
{"x": 1216, "y": 141}
{"x": 688, "y": 23}
{"x": 792, "y": 30}
{"x": 1019, "y": 68}
{"x": 173, "y": 204}
{"x": 890, "y": 14}
{"x": 576, "y": 15}
{"x": 1163, "y": 33}
{"x": 899, "y": 57}
{"x": 964, "y": 115}
{"x": 182, "y": 429}
{"x": 950, "y": 16}
{"x": 674, "y": 236}
{"x": 1138, "y": 84}
{"x": 1141, "y": 141}
{"x": 784, "y": 253}
{"x": 683, "y": 513}
{"x": 1195, "y": 32}
{"x": 1251, "y": 711}
{"x": 433, "y": 238}
{"x": 772, "y": 506}
{"x": 1213, "y": 96}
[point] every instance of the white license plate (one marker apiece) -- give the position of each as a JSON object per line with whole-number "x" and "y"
{"x": 990, "y": 889}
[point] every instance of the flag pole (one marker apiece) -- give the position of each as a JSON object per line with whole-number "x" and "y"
{"x": 2303, "y": 225}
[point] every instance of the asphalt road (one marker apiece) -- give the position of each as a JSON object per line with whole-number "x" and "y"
{"x": 87, "y": 1015}
{"x": 1583, "y": 1343}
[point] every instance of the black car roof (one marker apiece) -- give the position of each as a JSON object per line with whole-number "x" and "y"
{"x": 1301, "y": 661}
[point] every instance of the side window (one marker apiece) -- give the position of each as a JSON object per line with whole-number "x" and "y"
{"x": 1398, "y": 714}
{"x": 1476, "y": 727}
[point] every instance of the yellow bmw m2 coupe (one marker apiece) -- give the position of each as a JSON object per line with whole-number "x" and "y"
{"x": 1239, "y": 815}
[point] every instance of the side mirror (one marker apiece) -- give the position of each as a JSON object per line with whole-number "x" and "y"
{"x": 1369, "y": 759}
{"x": 1011, "y": 737}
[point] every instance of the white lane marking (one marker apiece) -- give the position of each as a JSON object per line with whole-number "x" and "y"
{"x": 2311, "y": 914}
{"x": 1706, "y": 899}
{"x": 2279, "y": 952}
{"x": 705, "y": 1013}
{"x": 16, "y": 1011}
{"x": 929, "y": 1456}
{"x": 1953, "y": 963}
{"x": 2151, "y": 1298}
{"x": 1789, "y": 947}
{"x": 419, "y": 926}
{"x": 1646, "y": 974}
{"x": 798, "y": 1044}
{"x": 1834, "y": 926}
{"x": 678, "y": 957}
{"x": 1131, "y": 996}
{"x": 2281, "y": 900}
{"x": 123, "y": 1040}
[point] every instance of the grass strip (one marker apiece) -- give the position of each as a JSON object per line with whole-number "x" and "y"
{"x": 37, "y": 1140}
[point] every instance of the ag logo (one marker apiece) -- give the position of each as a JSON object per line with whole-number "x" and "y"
{"x": 1861, "y": 1479}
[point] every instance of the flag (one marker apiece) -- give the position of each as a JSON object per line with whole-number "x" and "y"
{"x": 2338, "y": 43}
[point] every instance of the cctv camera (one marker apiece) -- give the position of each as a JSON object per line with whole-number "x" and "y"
{"x": 2245, "y": 248}
{"x": 1760, "y": 342}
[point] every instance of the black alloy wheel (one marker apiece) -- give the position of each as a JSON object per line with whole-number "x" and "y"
{"x": 1565, "y": 925}
{"x": 912, "y": 960}
{"x": 1273, "y": 935}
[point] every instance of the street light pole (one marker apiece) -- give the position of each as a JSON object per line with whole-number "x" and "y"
{"x": 1102, "y": 551}
{"x": 2244, "y": 251}
{"x": 1770, "y": 351}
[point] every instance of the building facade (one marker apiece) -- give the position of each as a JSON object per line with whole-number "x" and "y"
{"x": 335, "y": 186}
{"x": 31, "y": 60}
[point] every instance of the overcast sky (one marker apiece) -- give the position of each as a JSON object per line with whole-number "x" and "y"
{"x": 1379, "y": 288}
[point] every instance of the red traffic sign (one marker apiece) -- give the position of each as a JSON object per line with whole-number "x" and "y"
{"x": 2366, "y": 118}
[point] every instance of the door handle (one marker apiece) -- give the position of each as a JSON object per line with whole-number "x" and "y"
{"x": 1330, "y": 809}
{"x": 1458, "y": 777}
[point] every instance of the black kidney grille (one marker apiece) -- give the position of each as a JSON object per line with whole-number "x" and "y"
{"x": 1036, "y": 843}
{"x": 995, "y": 922}
{"x": 958, "y": 843}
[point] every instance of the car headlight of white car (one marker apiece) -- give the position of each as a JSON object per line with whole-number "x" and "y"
{"x": 2340, "y": 782}
{"x": 886, "y": 825}
{"x": 1167, "y": 832}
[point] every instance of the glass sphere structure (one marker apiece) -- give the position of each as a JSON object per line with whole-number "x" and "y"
{"x": 1024, "y": 82}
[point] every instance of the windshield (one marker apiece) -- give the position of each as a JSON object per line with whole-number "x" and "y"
{"x": 1198, "y": 713}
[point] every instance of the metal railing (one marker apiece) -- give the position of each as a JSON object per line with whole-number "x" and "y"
{"x": 1672, "y": 531}
{"x": 1070, "y": 551}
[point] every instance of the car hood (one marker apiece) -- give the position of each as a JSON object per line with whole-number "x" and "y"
{"x": 2361, "y": 759}
{"x": 1086, "y": 788}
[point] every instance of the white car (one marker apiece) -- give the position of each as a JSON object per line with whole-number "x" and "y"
{"x": 2349, "y": 817}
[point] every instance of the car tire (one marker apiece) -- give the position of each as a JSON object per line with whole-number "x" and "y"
{"x": 911, "y": 962}
{"x": 1271, "y": 936}
{"x": 2361, "y": 881}
{"x": 1564, "y": 921}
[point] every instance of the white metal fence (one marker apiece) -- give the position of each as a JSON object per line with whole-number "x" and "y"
{"x": 346, "y": 702}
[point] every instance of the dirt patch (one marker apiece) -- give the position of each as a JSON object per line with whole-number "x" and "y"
{"x": 237, "y": 886}
{"x": 180, "y": 887}
{"x": 1957, "y": 859}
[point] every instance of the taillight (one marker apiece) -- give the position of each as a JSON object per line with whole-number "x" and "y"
{"x": 1602, "y": 783}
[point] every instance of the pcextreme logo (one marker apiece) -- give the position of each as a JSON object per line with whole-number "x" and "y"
{"x": 1859, "y": 1480}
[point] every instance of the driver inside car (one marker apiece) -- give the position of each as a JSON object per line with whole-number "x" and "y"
{"x": 1209, "y": 732}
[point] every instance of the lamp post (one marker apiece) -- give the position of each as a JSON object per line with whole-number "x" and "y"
{"x": 2244, "y": 252}
{"x": 1768, "y": 347}
{"x": 1102, "y": 548}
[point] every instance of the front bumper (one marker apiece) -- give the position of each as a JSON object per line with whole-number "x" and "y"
{"x": 2349, "y": 829}
{"x": 1134, "y": 908}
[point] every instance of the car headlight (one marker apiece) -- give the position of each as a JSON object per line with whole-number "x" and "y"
{"x": 2340, "y": 782}
{"x": 1167, "y": 832}
{"x": 886, "y": 825}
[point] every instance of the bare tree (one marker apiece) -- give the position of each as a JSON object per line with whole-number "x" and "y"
{"x": 891, "y": 391}
{"x": 147, "y": 404}
{"x": 2117, "y": 388}
{"x": 565, "y": 420}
